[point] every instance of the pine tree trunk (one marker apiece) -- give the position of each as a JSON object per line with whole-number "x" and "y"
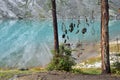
{"x": 56, "y": 41}
{"x": 105, "y": 37}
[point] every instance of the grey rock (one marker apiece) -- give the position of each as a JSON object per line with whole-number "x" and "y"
{"x": 42, "y": 8}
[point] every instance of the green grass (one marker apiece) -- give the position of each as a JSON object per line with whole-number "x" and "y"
{"x": 87, "y": 71}
{"x": 7, "y": 74}
{"x": 93, "y": 60}
{"x": 91, "y": 70}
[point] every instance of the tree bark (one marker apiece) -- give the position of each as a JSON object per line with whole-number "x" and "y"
{"x": 56, "y": 40}
{"x": 105, "y": 37}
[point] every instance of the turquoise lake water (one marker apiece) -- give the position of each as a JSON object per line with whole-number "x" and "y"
{"x": 29, "y": 42}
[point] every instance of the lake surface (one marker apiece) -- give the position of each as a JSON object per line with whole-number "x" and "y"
{"x": 25, "y": 43}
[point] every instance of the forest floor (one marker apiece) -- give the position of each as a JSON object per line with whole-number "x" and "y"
{"x": 56, "y": 75}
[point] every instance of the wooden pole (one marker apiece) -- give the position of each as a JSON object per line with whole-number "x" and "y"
{"x": 56, "y": 40}
{"x": 105, "y": 37}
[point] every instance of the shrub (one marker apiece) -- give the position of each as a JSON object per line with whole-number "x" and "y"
{"x": 116, "y": 68}
{"x": 62, "y": 61}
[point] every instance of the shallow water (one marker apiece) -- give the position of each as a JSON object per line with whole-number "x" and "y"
{"x": 25, "y": 43}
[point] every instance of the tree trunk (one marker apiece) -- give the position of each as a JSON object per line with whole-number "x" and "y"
{"x": 105, "y": 37}
{"x": 56, "y": 41}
